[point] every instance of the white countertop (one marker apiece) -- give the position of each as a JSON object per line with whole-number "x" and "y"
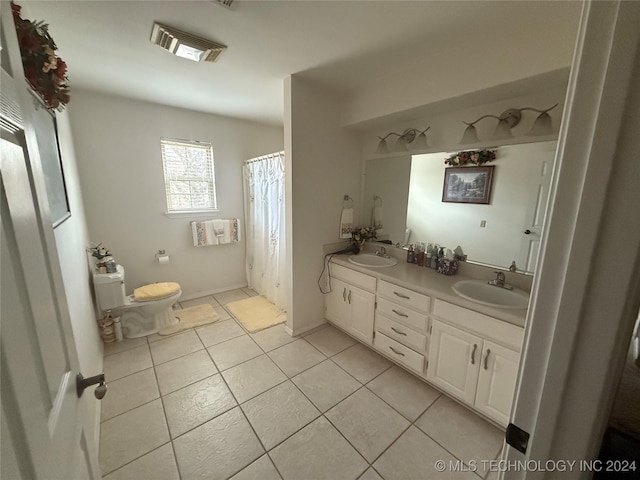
{"x": 429, "y": 282}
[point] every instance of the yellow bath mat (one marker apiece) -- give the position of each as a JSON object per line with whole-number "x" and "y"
{"x": 256, "y": 313}
{"x": 191, "y": 317}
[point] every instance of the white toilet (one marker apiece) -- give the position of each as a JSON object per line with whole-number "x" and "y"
{"x": 143, "y": 313}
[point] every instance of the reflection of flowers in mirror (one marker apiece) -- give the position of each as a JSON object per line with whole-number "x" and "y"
{"x": 470, "y": 157}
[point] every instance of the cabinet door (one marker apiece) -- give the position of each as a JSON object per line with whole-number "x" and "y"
{"x": 497, "y": 381}
{"x": 335, "y": 302}
{"x": 362, "y": 308}
{"x": 454, "y": 359}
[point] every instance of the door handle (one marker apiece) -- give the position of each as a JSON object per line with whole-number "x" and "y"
{"x": 349, "y": 297}
{"x": 473, "y": 354}
{"x": 82, "y": 383}
{"x": 344, "y": 294}
{"x": 527, "y": 232}
{"x": 486, "y": 358}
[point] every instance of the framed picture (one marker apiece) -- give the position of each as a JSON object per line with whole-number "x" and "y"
{"x": 467, "y": 184}
{"x": 48, "y": 147}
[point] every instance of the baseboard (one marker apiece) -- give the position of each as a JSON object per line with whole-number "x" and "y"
{"x": 299, "y": 331}
{"x": 204, "y": 293}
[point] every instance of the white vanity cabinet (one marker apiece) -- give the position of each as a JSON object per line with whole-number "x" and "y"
{"x": 351, "y": 303}
{"x": 475, "y": 358}
{"x": 401, "y": 323}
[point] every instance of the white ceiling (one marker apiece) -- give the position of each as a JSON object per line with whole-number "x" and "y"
{"x": 341, "y": 44}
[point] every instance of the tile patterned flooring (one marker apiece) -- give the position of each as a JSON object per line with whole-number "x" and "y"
{"x": 217, "y": 402}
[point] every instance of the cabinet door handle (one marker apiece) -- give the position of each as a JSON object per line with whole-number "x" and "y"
{"x": 396, "y": 351}
{"x": 344, "y": 294}
{"x": 400, "y": 314}
{"x": 399, "y": 332}
{"x": 402, "y": 296}
{"x": 486, "y": 358}
{"x": 473, "y": 354}
{"x": 349, "y": 297}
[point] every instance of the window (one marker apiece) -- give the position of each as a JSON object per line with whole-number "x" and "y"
{"x": 188, "y": 175}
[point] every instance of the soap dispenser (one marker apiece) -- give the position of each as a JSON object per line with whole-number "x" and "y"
{"x": 410, "y": 254}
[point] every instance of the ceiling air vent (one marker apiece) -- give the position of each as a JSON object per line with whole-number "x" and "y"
{"x": 185, "y": 45}
{"x": 224, "y": 3}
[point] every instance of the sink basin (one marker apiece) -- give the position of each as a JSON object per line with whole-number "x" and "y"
{"x": 480, "y": 291}
{"x": 369, "y": 260}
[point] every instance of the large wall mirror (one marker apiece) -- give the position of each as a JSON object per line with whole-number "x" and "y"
{"x": 506, "y": 229}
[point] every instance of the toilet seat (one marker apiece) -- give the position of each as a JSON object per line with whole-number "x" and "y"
{"x": 155, "y": 291}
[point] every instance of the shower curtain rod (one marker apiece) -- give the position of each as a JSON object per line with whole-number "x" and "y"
{"x": 264, "y": 157}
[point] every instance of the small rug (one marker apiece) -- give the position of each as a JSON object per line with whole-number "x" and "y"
{"x": 256, "y": 313}
{"x": 191, "y": 317}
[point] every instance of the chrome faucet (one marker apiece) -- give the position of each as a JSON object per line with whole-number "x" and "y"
{"x": 382, "y": 252}
{"x": 499, "y": 281}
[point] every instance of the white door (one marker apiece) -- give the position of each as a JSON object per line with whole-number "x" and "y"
{"x": 540, "y": 168}
{"x": 40, "y": 407}
{"x": 335, "y": 303}
{"x": 454, "y": 358}
{"x": 497, "y": 381}
{"x": 362, "y": 309}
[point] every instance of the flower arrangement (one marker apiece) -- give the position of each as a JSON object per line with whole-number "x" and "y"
{"x": 99, "y": 251}
{"x": 45, "y": 72}
{"x": 473, "y": 157}
{"x": 361, "y": 234}
{"x": 105, "y": 262}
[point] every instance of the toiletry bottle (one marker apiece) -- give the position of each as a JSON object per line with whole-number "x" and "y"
{"x": 427, "y": 256}
{"x": 410, "y": 254}
{"x": 420, "y": 255}
{"x": 434, "y": 256}
{"x": 440, "y": 258}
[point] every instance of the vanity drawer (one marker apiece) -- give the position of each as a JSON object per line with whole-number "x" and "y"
{"x": 404, "y": 296}
{"x": 357, "y": 279}
{"x": 403, "y": 314}
{"x": 399, "y": 352}
{"x": 400, "y": 332}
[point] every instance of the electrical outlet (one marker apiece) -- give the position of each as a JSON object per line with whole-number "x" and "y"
{"x": 483, "y": 223}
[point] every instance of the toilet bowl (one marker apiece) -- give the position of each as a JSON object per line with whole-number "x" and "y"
{"x": 149, "y": 309}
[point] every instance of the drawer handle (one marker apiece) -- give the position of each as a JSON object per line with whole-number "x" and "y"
{"x": 473, "y": 354}
{"x": 402, "y": 296}
{"x": 400, "y": 314}
{"x": 486, "y": 358}
{"x": 396, "y": 352}
{"x": 349, "y": 297}
{"x": 399, "y": 332}
{"x": 344, "y": 294}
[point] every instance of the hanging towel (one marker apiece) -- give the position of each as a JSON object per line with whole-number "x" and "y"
{"x": 376, "y": 219}
{"x": 215, "y": 232}
{"x": 346, "y": 222}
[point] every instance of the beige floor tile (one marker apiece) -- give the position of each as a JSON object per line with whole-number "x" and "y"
{"x": 200, "y": 301}
{"x": 326, "y": 384}
{"x": 197, "y": 403}
{"x": 404, "y": 392}
{"x": 232, "y": 352}
{"x": 278, "y": 413}
{"x": 251, "y": 293}
{"x": 125, "y": 363}
{"x": 126, "y": 344}
{"x": 330, "y": 340}
{"x": 318, "y": 452}
{"x": 218, "y": 449}
{"x": 413, "y": 457}
{"x": 184, "y": 371}
{"x": 219, "y": 332}
{"x": 253, "y": 377}
{"x": 130, "y": 435}
{"x": 159, "y": 464}
{"x": 129, "y": 392}
{"x": 296, "y": 356}
{"x": 370, "y": 474}
{"x": 362, "y": 362}
{"x": 461, "y": 431}
{"x": 175, "y": 346}
{"x": 261, "y": 469}
{"x": 367, "y": 422}
{"x": 272, "y": 338}
{"x": 230, "y": 296}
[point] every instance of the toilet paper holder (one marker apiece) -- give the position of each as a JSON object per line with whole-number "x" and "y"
{"x": 161, "y": 256}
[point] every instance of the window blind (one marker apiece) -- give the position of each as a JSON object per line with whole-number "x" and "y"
{"x": 189, "y": 176}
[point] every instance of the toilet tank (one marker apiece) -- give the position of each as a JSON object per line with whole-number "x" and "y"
{"x": 109, "y": 289}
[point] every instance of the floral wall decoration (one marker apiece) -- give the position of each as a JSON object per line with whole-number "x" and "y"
{"x": 45, "y": 72}
{"x": 470, "y": 157}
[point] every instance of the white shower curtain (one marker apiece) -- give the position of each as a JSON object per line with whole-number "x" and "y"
{"x": 264, "y": 186}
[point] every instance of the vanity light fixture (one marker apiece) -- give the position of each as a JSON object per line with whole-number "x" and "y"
{"x": 185, "y": 45}
{"x": 509, "y": 119}
{"x": 418, "y": 139}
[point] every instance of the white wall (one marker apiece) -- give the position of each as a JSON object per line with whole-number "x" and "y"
{"x": 118, "y": 151}
{"x": 72, "y": 238}
{"x": 323, "y": 165}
